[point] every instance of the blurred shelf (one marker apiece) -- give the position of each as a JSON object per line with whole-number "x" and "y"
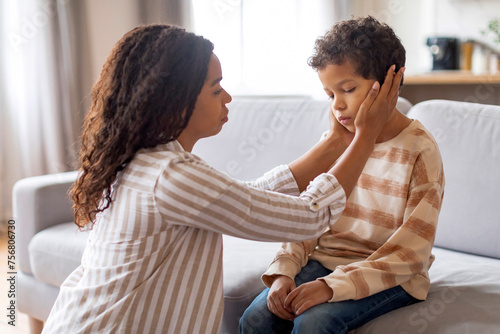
{"x": 452, "y": 78}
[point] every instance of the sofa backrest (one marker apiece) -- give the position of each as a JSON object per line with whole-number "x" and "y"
{"x": 264, "y": 132}
{"x": 468, "y": 136}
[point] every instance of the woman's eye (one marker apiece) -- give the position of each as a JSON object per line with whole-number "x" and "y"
{"x": 217, "y": 92}
{"x": 349, "y": 90}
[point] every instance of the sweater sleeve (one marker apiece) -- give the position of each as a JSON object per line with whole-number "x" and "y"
{"x": 405, "y": 254}
{"x": 191, "y": 193}
{"x": 289, "y": 260}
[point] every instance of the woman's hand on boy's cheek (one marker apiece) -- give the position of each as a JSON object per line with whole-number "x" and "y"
{"x": 308, "y": 295}
{"x": 338, "y": 129}
{"x": 280, "y": 288}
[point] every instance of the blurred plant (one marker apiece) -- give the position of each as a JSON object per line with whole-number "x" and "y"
{"x": 493, "y": 30}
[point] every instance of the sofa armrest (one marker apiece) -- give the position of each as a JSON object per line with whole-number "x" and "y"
{"x": 39, "y": 202}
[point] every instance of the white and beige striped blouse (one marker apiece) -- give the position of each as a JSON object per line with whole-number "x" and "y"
{"x": 153, "y": 262}
{"x": 385, "y": 235}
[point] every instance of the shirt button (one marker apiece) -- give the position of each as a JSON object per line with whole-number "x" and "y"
{"x": 315, "y": 205}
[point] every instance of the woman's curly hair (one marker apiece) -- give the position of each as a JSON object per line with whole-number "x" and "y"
{"x": 144, "y": 97}
{"x": 372, "y": 47}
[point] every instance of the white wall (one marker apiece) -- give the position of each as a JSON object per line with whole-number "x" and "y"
{"x": 466, "y": 18}
{"x": 264, "y": 45}
{"x": 415, "y": 20}
{"x": 108, "y": 21}
{"x": 412, "y": 20}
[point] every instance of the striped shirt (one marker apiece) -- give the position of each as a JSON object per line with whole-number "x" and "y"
{"x": 153, "y": 261}
{"x": 385, "y": 235}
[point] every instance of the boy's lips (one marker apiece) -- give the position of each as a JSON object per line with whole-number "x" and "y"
{"x": 344, "y": 120}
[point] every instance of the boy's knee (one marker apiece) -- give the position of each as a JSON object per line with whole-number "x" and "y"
{"x": 316, "y": 322}
{"x": 252, "y": 318}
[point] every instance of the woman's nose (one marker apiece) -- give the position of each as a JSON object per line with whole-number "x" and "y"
{"x": 228, "y": 97}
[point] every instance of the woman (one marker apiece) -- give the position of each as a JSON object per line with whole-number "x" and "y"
{"x": 153, "y": 259}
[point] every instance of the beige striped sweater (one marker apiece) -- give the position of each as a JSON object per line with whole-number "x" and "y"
{"x": 153, "y": 262}
{"x": 385, "y": 235}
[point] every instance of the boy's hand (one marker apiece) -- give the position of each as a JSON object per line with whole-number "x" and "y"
{"x": 376, "y": 108}
{"x": 280, "y": 288}
{"x": 308, "y": 295}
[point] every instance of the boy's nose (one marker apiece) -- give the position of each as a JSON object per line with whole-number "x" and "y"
{"x": 337, "y": 104}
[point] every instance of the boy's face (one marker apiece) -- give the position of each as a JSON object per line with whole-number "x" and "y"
{"x": 346, "y": 90}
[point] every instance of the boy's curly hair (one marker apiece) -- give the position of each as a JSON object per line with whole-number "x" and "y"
{"x": 144, "y": 97}
{"x": 371, "y": 46}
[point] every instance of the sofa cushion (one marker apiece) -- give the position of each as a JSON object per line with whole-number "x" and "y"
{"x": 468, "y": 136}
{"x": 403, "y": 105}
{"x": 56, "y": 251}
{"x": 244, "y": 263}
{"x": 463, "y": 298}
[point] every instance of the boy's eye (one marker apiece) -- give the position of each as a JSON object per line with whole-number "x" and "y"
{"x": 349, "y": 90}
{"x": 217, "y": 92}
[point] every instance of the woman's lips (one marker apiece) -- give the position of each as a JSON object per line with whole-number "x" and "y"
{"x": 225, "y": 118}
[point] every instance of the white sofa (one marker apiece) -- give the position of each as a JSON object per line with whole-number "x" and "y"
{"x": 263, "y": 132}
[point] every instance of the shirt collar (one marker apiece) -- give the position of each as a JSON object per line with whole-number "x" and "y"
{"x": 174, "y": 145}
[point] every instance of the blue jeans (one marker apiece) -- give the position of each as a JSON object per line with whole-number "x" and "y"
{"x": 338, "y": 317}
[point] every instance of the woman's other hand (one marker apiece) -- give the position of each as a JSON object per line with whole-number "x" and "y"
{"x": 379, "y": 104}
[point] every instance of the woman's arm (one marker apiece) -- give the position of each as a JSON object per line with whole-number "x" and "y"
{"x": 321, "y": 157}
{"x": 189, "y": 193}
{"x": 318, "y": 159}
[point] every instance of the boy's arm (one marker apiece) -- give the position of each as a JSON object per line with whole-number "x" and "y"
{"x": 289, "y": 260}
{"x": 405, "y": 254}
{"x": 280, "y": 275}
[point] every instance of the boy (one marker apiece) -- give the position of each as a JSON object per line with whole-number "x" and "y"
{"x": 376, "y": 258}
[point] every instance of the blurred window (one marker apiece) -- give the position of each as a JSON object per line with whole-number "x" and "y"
{"x": 263, "y": 45}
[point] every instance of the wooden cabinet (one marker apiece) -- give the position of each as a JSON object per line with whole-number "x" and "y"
{"x": 452, "y": 85}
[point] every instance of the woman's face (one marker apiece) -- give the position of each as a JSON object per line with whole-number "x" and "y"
{"x": 210, "y": 112}
{"x": 346, "y": 89}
